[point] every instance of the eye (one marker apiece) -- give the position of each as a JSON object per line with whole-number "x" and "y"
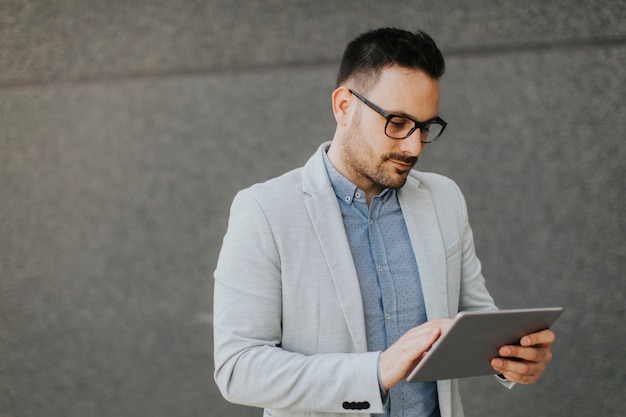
{"x": 399, "y": 127}
{"x": 400, "y": 123}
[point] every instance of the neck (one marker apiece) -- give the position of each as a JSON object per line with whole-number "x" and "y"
{"x": 370, "y": 188}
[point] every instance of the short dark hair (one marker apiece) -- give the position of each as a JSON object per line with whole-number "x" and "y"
{"x": 368, "y": 54}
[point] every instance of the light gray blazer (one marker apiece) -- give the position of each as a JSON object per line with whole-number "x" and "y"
{"x": 289, "y": 331}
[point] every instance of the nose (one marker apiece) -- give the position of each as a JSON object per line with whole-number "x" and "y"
{"x": 412, "y": 145}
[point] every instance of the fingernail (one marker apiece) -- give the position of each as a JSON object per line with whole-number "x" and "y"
{"x": 497, "y": 363}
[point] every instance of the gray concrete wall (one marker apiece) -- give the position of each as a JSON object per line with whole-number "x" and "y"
{"x": 126, "y": 127}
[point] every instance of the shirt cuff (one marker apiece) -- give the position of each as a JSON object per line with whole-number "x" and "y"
{"x": 384, "y": 394}
{"x": 501, "y": 379}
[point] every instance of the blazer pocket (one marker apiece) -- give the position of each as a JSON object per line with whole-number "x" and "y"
{"x": 452, "y": 249}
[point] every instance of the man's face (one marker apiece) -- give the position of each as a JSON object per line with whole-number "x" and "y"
{"x": 373, "y": 160}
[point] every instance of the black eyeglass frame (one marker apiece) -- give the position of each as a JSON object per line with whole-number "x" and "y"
{"x": 418, "y": 125}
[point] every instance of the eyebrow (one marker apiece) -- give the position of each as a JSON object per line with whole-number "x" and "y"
{"x": 405, "y": 115}
{"x": 414, "y": 119}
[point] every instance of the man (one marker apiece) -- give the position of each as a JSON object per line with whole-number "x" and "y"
{"x": 335, "y": 278}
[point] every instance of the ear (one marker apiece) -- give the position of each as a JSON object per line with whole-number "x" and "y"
{"x": 342, "y": 99}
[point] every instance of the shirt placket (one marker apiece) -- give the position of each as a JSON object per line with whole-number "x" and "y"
{"x": 387, "y": 285}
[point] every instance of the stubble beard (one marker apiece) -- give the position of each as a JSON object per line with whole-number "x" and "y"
{"x": 363, "y": 163}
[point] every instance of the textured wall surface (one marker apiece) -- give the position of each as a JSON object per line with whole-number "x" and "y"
{"x": 127, "y": 127}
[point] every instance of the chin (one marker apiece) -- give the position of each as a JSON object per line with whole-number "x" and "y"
{"x": 399, "y": 183}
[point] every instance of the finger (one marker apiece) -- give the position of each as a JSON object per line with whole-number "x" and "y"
{"x": 444, "y": 325}
{"x": 519, "y": 379}
{"x": 534, "y": 354}
{"x": 504, "y": 365}
{"x": 544, "y": 337}
{"x": 519, "y": 372}
{"x": 422, "y": 338}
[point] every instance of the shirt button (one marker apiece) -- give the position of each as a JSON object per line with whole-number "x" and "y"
{"x": 347, "y": 198}
{"x": 357, "y": 195}
{"x": 371, "y": 221}
{"x": 387, "y": 316}
{"x": 380, "y": 268}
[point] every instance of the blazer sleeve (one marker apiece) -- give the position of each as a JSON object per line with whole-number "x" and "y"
{"x": 251, "y": 367}
{"x": 474, "y": 294}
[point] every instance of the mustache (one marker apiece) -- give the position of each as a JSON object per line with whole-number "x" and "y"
{"x": 402, "y": 158}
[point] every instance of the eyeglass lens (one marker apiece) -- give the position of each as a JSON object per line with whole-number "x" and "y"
{"x": 400, "y": 127}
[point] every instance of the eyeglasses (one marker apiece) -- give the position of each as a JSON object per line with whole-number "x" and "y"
{"x": 401, "y": 127}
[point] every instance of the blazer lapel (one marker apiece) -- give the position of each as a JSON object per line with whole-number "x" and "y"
{"x": 424, "y": 231}
{"x": 325, "y": 215}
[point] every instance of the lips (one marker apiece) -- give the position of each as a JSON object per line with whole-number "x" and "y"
{"x": 402, "y": 163}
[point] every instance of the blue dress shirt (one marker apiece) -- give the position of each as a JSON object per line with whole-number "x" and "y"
{"x": 389, "y": 278}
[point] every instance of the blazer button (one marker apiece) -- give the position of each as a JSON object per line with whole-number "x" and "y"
{"x": 358, "y": 405}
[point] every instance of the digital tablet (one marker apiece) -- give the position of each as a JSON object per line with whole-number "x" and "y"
{"x": 474, "y": 338}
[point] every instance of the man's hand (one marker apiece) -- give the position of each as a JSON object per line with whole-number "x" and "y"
{"x": 400, "y": 358}
{"x": 528, "y": 361}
